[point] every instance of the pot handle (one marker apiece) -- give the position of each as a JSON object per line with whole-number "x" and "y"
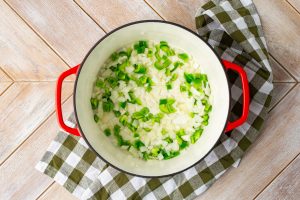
{"x": 246, "y": 95}
{"x": 73, "y": 131}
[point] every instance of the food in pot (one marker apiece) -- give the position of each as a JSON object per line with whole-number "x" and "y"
{"x": 152, "y": 100}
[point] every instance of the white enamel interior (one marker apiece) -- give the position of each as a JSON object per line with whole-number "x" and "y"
{"x": 177, "y": 37}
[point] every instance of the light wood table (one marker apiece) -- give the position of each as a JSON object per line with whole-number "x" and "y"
{"x": 40, "y": 39}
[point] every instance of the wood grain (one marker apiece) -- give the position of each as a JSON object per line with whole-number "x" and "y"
{"x": 277, "y": 145}
{"x": 280, "y": 90}
{"x": 282, "y": 30}
{"x": 5, "y": 81}
{"x": 112, "y": 14}
{"x": 19, "y": 178}
{"x": 57, "y": 192}
{"x": 286, "y": 185}
{"x": 4, "y": 86}
{"x": 24, "y": 56}
{"x": 27, "y": 55}
{"x": 23, "y": 108}
{"x": 295, "y": 4}
{"x": 179, "y": 11}
{"x": 62, "y": 24}
{"x": 279, "y": 73}
{"x": 4, "y": 77}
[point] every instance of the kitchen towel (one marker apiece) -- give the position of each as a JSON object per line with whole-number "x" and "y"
{"x": 233, "y": 28}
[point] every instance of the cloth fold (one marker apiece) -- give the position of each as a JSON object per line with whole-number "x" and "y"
{"x": 234, "y": 30}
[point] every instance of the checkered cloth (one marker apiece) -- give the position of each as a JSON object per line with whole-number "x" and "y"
{"x": 233, "y": 29}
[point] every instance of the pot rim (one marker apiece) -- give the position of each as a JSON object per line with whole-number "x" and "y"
{"x": 96, "y": 44}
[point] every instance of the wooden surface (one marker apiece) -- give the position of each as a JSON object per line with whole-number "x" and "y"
{"x": 295, "y": 4}
{"x": 287, "y": 184}
{"x": 40, "y": 39}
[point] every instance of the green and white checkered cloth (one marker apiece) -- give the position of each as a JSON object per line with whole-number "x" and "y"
{"x": 234, "y": 30}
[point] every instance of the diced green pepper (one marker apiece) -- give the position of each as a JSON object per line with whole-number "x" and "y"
{"x": 161, "y": 65}
{"x": 107, "y": 132}
{"x": 147, "y": 129}
{"x": 122, "y": 104}
{"x": 123, "y": 65}
{"x": 117, "y": 129}
{"x": 157, "y": 118}
{"x": 112, "y": 81}
{"x": 207, "y": 108}
{"x": 189, "y": 77}
{"x": 138, "y": 144}
{"x": 172, "y": 154}
{"x": 123, "y": 120}
{"x": 123, "y": 53}
{"x": 205, "y": 117}
{"x": 155, "y": 151}
{"x": 168, "y": 72}
{"x": 134, "y": 99}
{"x": 117, "y": 113}
{"x": 183, "y": 56}
{"x": 94, "y": 103}
{"x": 169, "y": 86}
{"x": 96, "y": 118}
{"x": 166, "y": 105}
{"x": 192, "y": 115}
{"x": 196, "y": 135}
{"x": 183, "y": 88}
{"x": 139, "y": 69}
{"x": 205, "y": 123}
{"x": 108, "y": 106}
{"x": 176, "y": 65}
{"x": 145, "y": 155}
{"x": 164, "y": 131}
{"x": 141, "y": 46}
{"x": 142, "y": 80}
{"x": 131, "y": 127}
{"x": 141, "y": 114}
{"x": 114, "y": 56}
{"x": 181, "y": 132}
{"x": 150, "y": 53}
{"x": 174, "y": 77}
{"x": 183, "y": 145}
{"x": 106, "y": 94}
{"x": 100, "y": 83}
{"x": 168, "y": 140}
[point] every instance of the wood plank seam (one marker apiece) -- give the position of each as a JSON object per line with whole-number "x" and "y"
{"x": 282, "y": 66}
{"x": 279, "y": 173}
{"x": 295, "y": 9}
{"x": 16, "y": 148}
{"x": 266, "y": 186}
{"x": 154, "y": 10}
{"x": 47, "y": 188}
{"x": 6, "y": 89}
{"x": 40, "y": 36}
{"x": 11, "y": 81}
{"x": 283, "y": 97}
{"x": 8, "y": 76}
{"x": 90, "y": 17}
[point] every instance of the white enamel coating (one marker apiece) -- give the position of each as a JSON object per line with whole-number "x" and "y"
{"x": 177, "y": 37}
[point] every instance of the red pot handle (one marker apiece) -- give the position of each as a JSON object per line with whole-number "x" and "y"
{"x": 246, "y": 95}
{"x": 227, "y": 64}
{"x": 60, "y": 119}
